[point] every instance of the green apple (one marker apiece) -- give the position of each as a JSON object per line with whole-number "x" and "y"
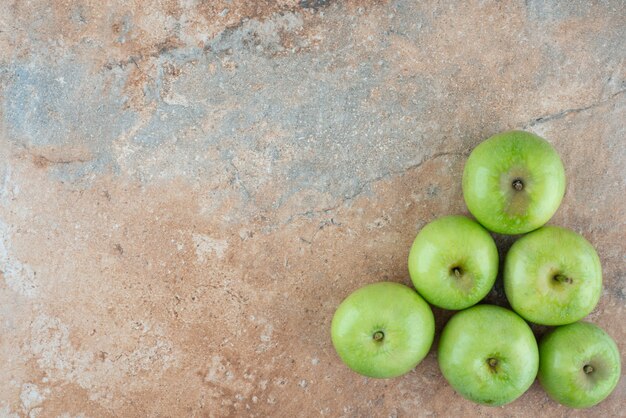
{"x": 488, "y": 354}
{"x": 579, "y": 364}
{"x": 383, "y": 330}
{"x": 453, "y": 262}
{"x": 513, "y": 182}
{"x": 552, "y": 276}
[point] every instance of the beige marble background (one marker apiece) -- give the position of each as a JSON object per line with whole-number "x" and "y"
{"x": 188, "y": 189}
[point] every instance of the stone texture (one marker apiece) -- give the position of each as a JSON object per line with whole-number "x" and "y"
{"x": 188, "y": 189}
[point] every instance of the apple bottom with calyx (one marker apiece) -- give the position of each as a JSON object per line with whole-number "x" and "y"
{"x": 579, "y": 364}
{"x": 488, "y": 354}
{"x": 383, "y": 330}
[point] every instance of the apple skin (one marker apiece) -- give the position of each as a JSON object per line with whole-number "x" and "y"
{"x": 552, "y": 276}
{"x": 397, "y": 311}
{"x": 493, "y": 167}
{"x": 566, "y": 351}
{"x": 475, "y": 336}
{"x": 453, "y": 262}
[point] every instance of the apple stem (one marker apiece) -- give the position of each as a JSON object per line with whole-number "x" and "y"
{"x": 493, "y": 362}
{"x": 588, "y": 369}
{"x": 518, "y": 185}
{"x": 563, "y": 279}
{"x": 378, "y": 336}
{"x": 457, "y": 272}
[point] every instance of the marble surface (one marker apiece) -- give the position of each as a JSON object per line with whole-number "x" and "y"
{"x": 188, "y": 189}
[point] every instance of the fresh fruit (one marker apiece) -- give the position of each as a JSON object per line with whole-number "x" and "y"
{"x": 513, "y": 182}
{"x": 579, "y": 364}
{"x": 383, "y": 330}
{"x": 552, "y": 276}
{"x": 453, "y": 262}
{"x": 488, "y": 354}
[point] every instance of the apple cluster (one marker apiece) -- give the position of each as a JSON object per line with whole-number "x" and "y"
{"x": 513, "y": 183}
